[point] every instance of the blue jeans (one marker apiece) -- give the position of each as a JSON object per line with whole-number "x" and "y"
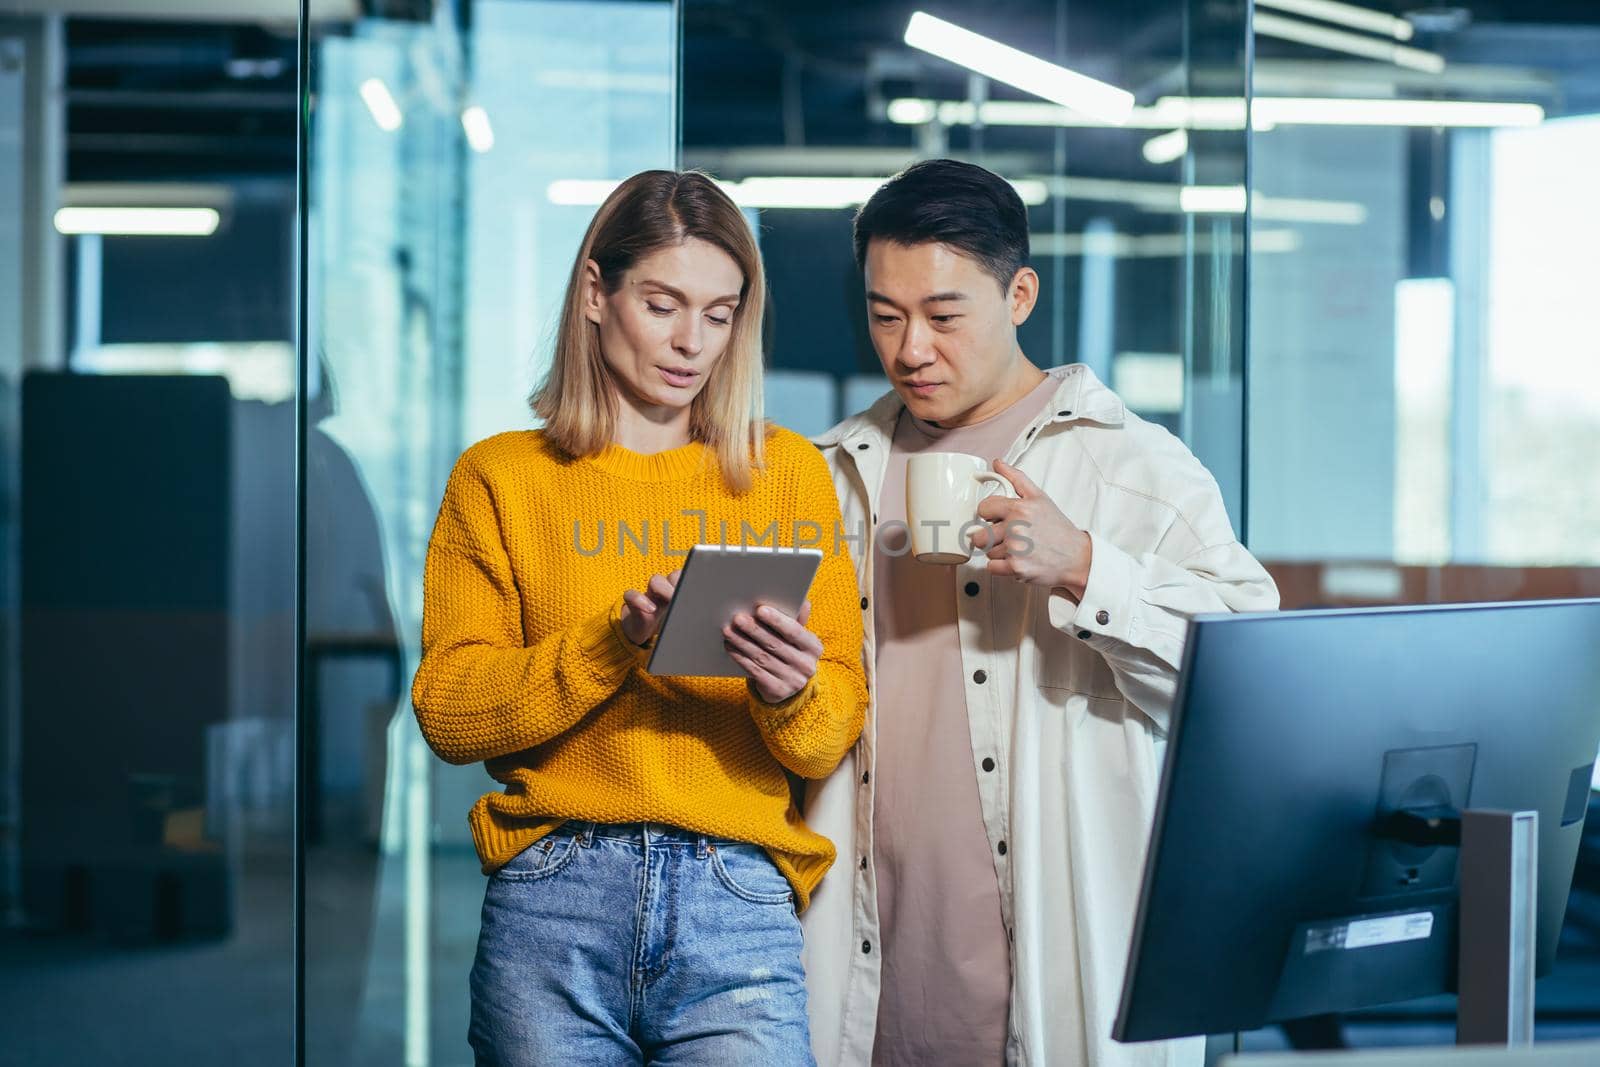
{"x": 639, "y": 944}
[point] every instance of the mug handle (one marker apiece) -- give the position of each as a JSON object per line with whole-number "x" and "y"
{"x": 1000, "y": 480}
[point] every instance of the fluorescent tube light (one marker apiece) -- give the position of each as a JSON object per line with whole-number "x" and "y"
{"x": 1170, "y": 112}
{"x": 776, "y": 192}
{"x": 480, "y": 135}
{"x": 1297, "y": 209}
{"x": 1212, "y": 199}
{"x": 1316, "y": 111}
{"x": 1015, "y": 67}
{"x": 1357, "y": 18}
{"x": 139, "y": 221}
{"x": 1206, "y": 112}
{"x": 1171, "y": 198}
{"x": 580, "y": 192}
{"x": 1232, "y": 200}
{"x": 1227, "y": 113}
{"x": 1159, "y": 245}
{"x": 1167, "y": 114}
{"x": 1032, "y": 191}
{"x": 1342, "y": 41}
{"x": 803, "y": 192}
{"x": 1167, "y": 147}
{"x": 379, "y": 101}
{"x": 909, "y": 111}
{"x": 833, "y": 192}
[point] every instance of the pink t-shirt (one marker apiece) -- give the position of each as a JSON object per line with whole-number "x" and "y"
{"x": 946, "y": 958}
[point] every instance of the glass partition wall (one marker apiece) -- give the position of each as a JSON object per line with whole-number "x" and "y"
{"x": 1137, "y": 220}
{"x": 445, "y": 142}
{"x": 454, "y": 162}
{"x": 1424, "y": 411}
{"x": 1426, "y": 397}
{"x": 147, "y": 532}
{"x": 455, "y": 156}
{"x": 1349, "y": 263}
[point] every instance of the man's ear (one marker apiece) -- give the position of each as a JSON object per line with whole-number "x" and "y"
{"x": 594, "y": 292}
{"x": 1024, "y": 293}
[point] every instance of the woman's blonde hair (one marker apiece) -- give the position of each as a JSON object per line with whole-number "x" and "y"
{"x": 650, "y": 211}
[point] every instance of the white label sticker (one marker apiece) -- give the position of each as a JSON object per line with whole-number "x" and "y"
{"x": 1365, "y": 933}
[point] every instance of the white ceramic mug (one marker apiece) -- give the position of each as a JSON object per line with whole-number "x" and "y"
{"x": 942, "y": 494}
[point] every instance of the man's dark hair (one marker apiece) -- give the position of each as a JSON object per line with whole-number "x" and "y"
{"x": 972, "y": 210}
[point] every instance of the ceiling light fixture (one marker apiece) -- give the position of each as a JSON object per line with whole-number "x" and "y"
{"x": 1354, "y": 44}
{"x": 775, "y": 192}
{"x": 1357, "y": 18}
{"x": 1170, "y": 112}
{"x": 1227, "y": 113}
{"x": 1171, "y": 198}
{"x": 480, "y": 135}
{"x": 1167, "y": 147}
{"x": 380, "y": 101}
{"x": 1159, "y": 245}
{"x": 989, "y": 57}
{"x": 139, "y": 221}
{"x": 1351, "y": 111}
{"x": 1212, "y": 199}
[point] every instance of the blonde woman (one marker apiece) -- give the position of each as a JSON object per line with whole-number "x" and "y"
{"x": 646, "y": 861}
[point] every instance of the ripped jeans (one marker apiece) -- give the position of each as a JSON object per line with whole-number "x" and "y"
{"x": 639, "y": 944}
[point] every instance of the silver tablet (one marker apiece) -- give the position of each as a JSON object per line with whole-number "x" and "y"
{"x": 718, "y": 582}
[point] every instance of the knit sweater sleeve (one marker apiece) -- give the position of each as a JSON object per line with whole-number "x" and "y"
{"x": 811, "y": 731}
{"x": 480, "y": 690}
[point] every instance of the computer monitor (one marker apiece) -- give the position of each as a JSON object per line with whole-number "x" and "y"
{"x": 1272, "y": 889}
{"x": 1556, "y": 1054}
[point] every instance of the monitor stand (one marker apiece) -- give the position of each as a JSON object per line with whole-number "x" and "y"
{"x": 1497, "y": 875}
{"x": 1499, "y": 867}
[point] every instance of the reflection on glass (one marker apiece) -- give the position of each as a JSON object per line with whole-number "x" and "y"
{"x": 1456, "y": 287}
{"x": 437, "y": 260}
{"x": 1424, "y": 401}
{"x": 1138, "y": 251}
{"x": 1541, "y": 488}
{"x": 147, "y": 470}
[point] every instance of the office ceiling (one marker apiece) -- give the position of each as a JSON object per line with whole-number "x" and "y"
{"x": 155, "y": 98}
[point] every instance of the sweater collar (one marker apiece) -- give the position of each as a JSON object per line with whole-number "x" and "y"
{"x": 674, "y": 464}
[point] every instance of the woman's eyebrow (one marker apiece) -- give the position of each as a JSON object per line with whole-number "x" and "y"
{"x": 681, "y": 297}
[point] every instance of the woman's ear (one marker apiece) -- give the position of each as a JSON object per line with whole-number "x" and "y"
{"x": 594, "y": 292}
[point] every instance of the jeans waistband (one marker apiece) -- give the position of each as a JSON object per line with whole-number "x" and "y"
{"x": 640, "y": 833}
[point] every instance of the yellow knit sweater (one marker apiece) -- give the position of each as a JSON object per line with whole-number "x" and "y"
{"x": 525, "y": 666}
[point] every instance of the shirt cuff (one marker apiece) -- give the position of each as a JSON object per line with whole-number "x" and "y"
{"x": 1106, "y": 610}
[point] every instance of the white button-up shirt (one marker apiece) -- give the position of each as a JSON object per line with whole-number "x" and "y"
{"x": 1073, "y": 710}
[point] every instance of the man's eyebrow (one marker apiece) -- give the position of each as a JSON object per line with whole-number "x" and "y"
{"x": 679, "y": 295}
{"x": 875, "y": 297}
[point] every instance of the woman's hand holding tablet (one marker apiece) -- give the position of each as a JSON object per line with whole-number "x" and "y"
{"x": 778, "y": 654}
{"x": 716, "y": 622}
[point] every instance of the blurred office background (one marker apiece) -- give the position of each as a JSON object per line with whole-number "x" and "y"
{"x": 1349, "y": 255}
